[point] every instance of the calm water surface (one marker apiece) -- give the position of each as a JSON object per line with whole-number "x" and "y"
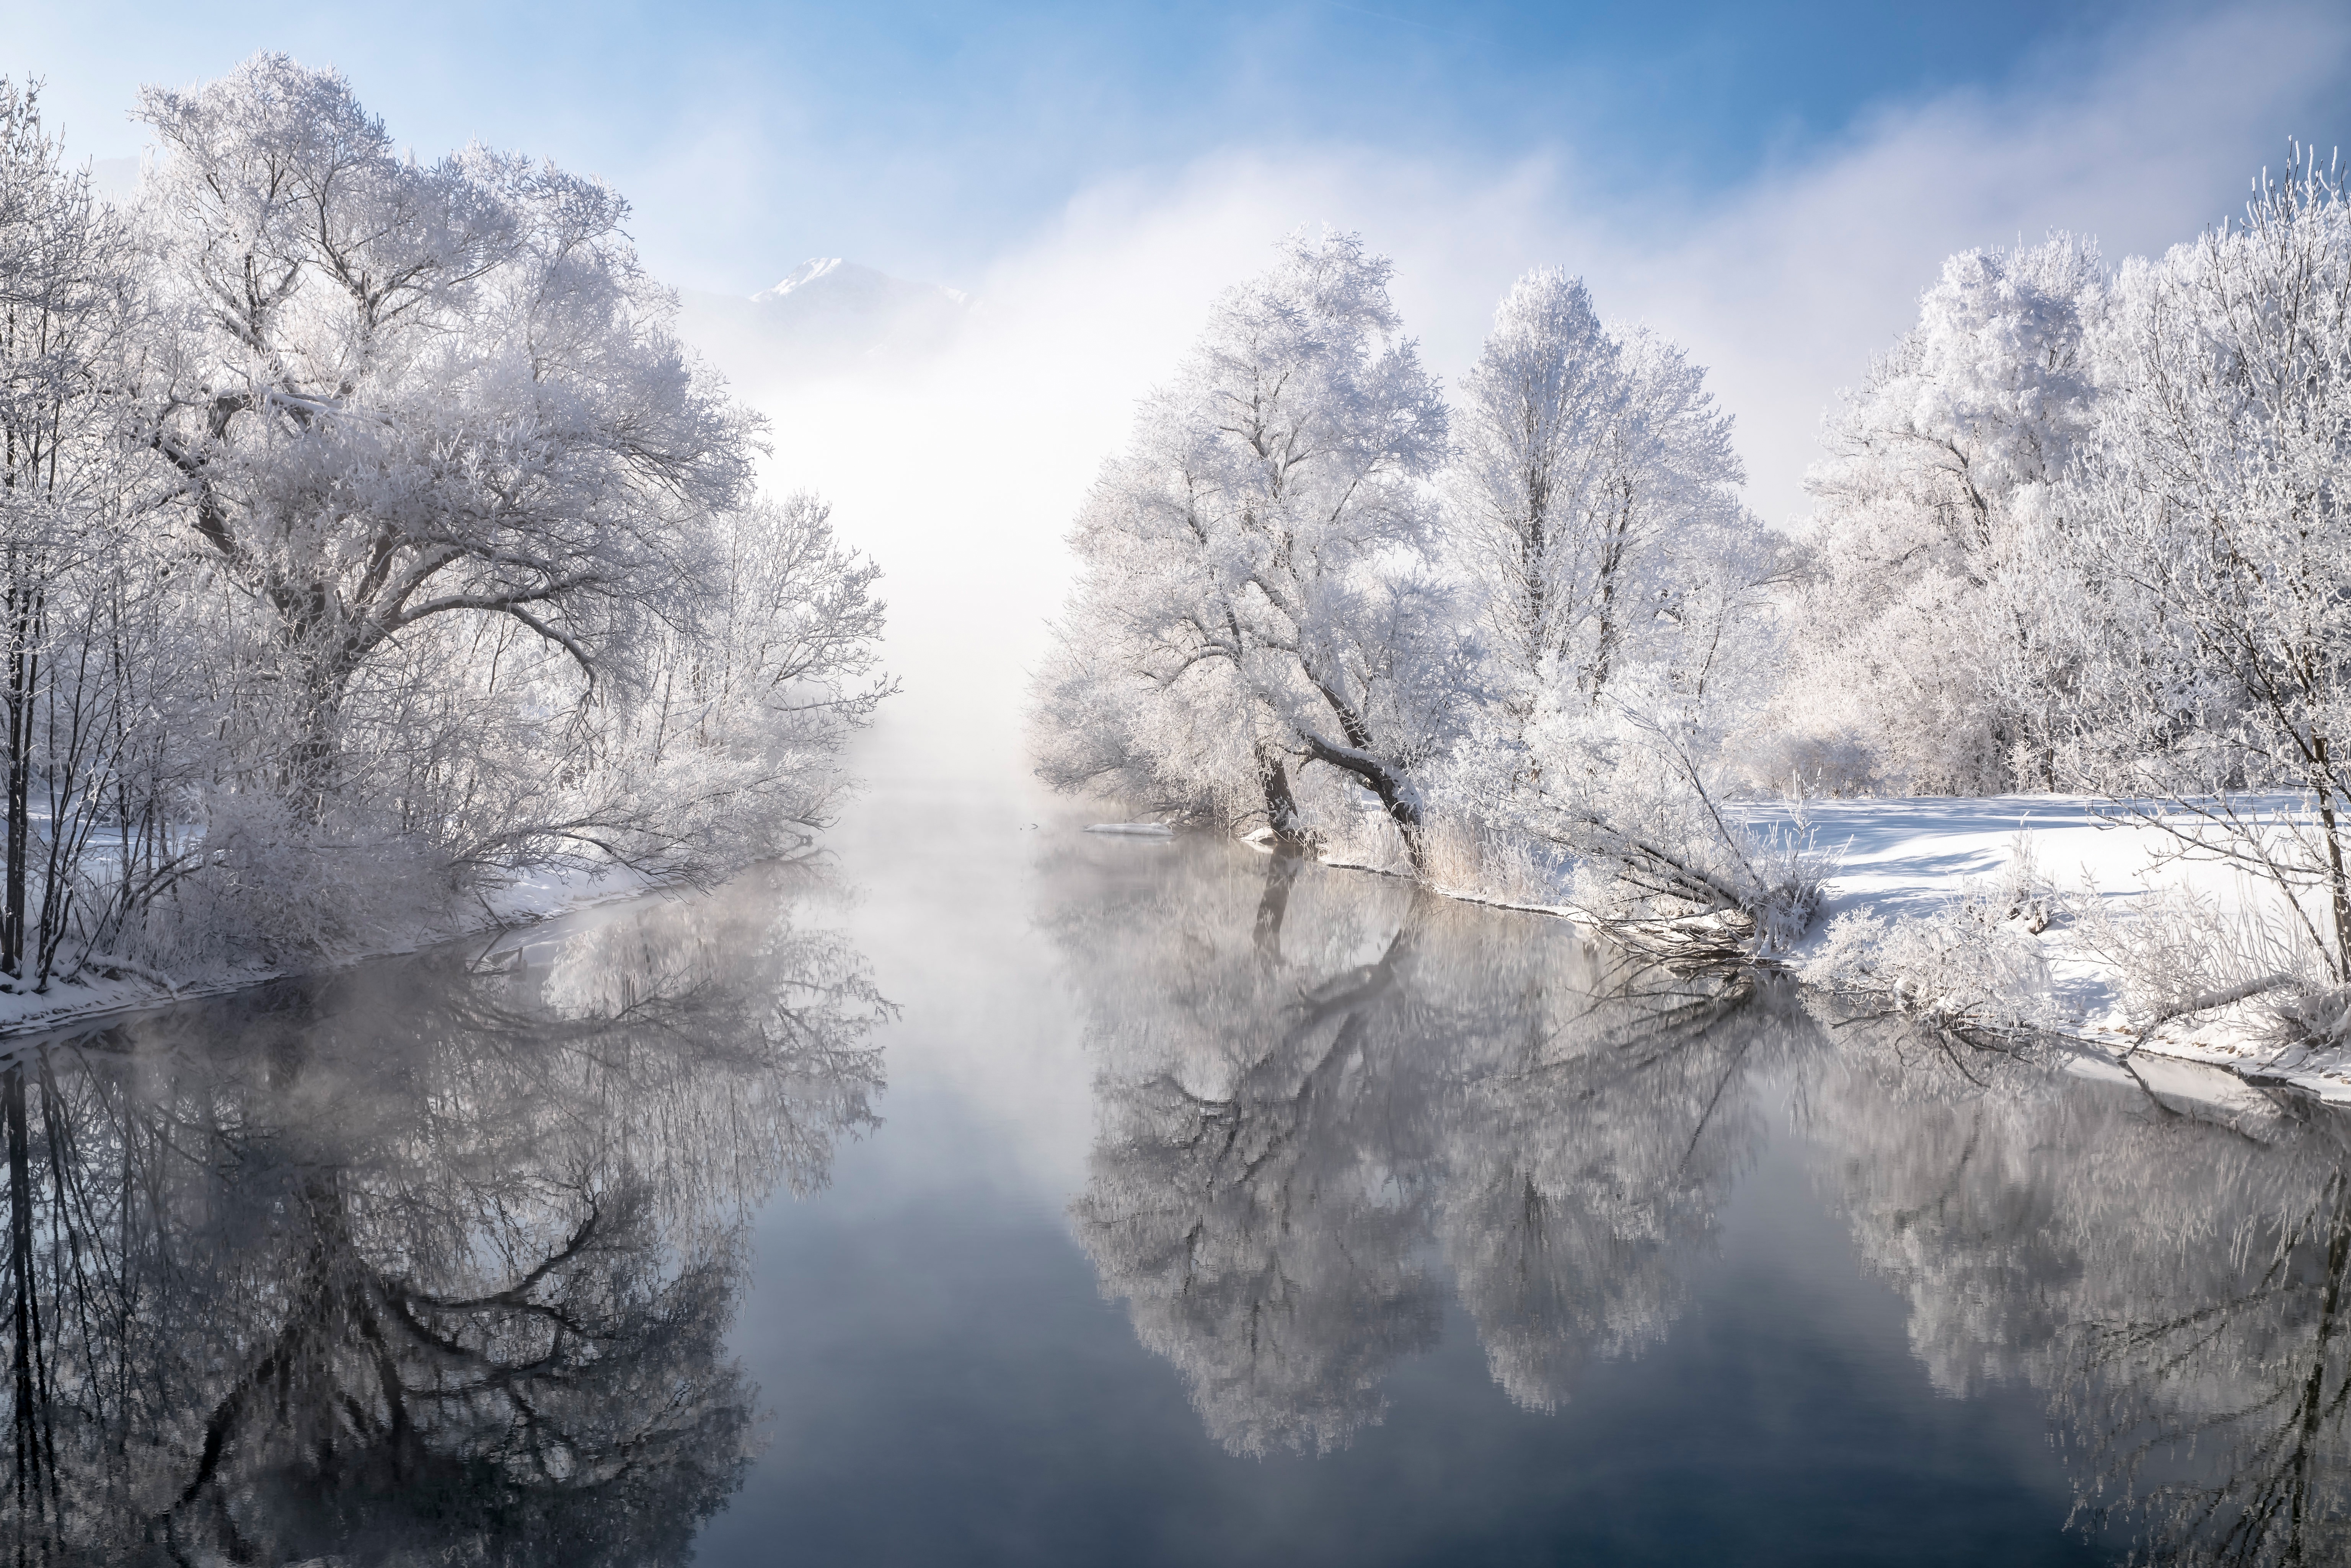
{"x": 1019, "y": 1196}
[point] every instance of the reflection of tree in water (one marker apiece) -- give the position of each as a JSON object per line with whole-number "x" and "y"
{"x": 2170, "y": 1270}
{"x": 1312, "y": 1084}
{"x": 1585, "y": 1163}
{"x": 429, "y": 1261}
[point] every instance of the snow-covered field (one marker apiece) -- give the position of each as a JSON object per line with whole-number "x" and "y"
{"x": 1913, "y": 858}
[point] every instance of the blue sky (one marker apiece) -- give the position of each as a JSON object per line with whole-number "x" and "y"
{"x": 925, "y": 137}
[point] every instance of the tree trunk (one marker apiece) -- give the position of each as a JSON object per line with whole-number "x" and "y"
{"x": 1395, "y": 795}
{"x": 309, "y": 781}
{"x": 1281, "y": 813}
{"x": 2338, "y": 881}
{"x": 23, "y": 674}
{"x": 1406, "y": 814}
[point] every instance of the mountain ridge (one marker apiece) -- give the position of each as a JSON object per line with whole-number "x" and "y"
{"x": 828, "y": 316}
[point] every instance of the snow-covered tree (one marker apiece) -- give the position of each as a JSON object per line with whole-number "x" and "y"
{"x": 94, "y": 659}
{"x": 1538, "y": 411}
{"x": 398, "y": 392}
{"x": 1932, "y": 652}
{"x": 751, "y": 686}
{"x": 1594, "y": 503}
{"x": 2210, "y": 514}
{"x": 367, "y": 538}
{"x": 1253, "y": 593}
{"x": 1593, "y": 519}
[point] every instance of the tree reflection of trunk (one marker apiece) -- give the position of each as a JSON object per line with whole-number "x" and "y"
{"x": 34, "y": 1428}
{"x": 2316, "y": 1405}
{"x": 1281, "y": 875}
{"x": 2224, "y": 1386}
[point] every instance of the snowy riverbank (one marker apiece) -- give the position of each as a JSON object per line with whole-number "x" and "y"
{"x": 1916, "y": 858}
{"x": 543, "y": 896}
{"x": 1923, "y": 859}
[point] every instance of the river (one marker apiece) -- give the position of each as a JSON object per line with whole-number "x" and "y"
{"x": 1008, "y": 1194}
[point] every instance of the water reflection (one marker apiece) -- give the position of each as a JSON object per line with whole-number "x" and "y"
{"x": 1314, "y": 1088}
{"x": 2169, "y": 1269}
{"x": 1324, "y": 1099}
{"x": 429, "y": 1261}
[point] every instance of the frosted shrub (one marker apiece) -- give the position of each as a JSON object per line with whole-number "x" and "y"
{"x": 1658, "y": 859}
{"x": 1846, "y": 956}
{"x": 2315, "y": 1018}
{"x": 2177, "y": 954}
{"x": 1791, "y": 872}
{"x": 1954, "y": 967}
{"x": 2020, "y": 891}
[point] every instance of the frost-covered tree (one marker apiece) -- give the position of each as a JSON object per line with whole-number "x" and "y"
{"x": 1594, "y": 504}
{"x": 95, "y": 657}
{"x": 1538, "y": 409}
{"x": 723, "y": 746}
{"x": 367, "y": 539}
{"x": 2210, "y": 514}
{"x": 1253, "y": 596}
{"x": 1191, "y": 744}
{"x": 1593, "y": 519}
{"x": 60, "y": 283}
{"x": 398, "y": 392}
{"x": 1932, "y": 652}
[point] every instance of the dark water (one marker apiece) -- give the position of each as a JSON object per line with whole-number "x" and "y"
{"x": 1016, "y": 1196}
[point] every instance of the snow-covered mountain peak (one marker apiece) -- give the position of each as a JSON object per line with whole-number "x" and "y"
{"x": 800, "y": 277}
{"x": 826, "y": 317}
{"x": 831, "y": 284}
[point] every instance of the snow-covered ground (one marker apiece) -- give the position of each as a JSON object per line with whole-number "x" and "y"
{"x": 1912, "y": 857}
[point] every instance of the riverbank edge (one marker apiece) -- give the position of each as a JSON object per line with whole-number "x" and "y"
{"x": 2212, "y": 1044}
{"x": 81, "y": 1007}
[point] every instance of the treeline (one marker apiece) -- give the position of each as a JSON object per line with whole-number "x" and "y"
{"x": 370, "y": 543}
{"x": 2082, "y": 528}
